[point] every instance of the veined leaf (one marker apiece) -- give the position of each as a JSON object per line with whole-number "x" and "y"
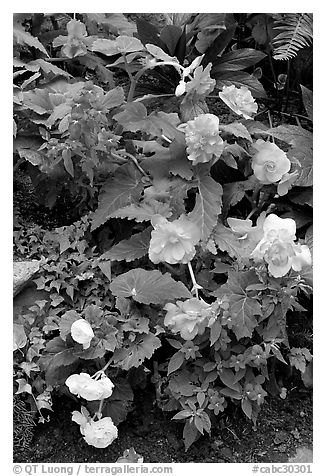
{"x": 239, "y": 78}
{"x": 237, "y": 60}
{"x": 119, "y": 191}
{"x": 148, "y": 287}
{"x": 243, "y": 307}
{"x": 143, "y": 211}
{"x": 131, "y": 249}
{"x": 237, "y": 129}
{"x": 134, "y": 353}
{"x": 22, "y": 37}
{"x": 208, "y": 203}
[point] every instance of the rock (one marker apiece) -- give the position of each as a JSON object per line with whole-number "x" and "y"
{"x": 23, "y": 272}
{"x": 303, "y": 455}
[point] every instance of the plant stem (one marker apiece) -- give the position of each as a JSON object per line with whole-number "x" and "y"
{"x": 99, "y": 411}
{"x": 270, "y": 122}
{"x": 196, "y": 286}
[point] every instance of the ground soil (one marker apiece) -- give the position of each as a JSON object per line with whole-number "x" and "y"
{"x": 283, "y": 428}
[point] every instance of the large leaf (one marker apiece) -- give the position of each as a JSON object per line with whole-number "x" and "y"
{"x": 171, "y": 35}
{"x": 119, "y": 191}
{"x": 307, "y": 98}
{"x": 134, "y": 353}
{"x": 148, "y": 33}
{"x": 143, "y": 211}
{"x": 239, "y": 78}
{"x": 132, "y": 118}
{"x": 225, "y": 240}
{"x": 218, "y": 45}
{"x": 208, "y": 203}
{"x": 129, "y": 250}
{"x": 22, "y": 37}
{"x": 237, "y": 60}
{"x": 58, "y": 361}
{"x": 148, "y": 287}
{"x": 243, "y": 307}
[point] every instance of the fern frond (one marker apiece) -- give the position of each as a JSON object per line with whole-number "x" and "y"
{"x": 296, "y": 34}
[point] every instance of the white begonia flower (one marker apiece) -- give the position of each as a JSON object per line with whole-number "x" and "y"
{"x": 277, "y": 247}
{"x": 84, "y": 386}
{"x": 82, "y": 332}
{"x": 240, "y": 100}
{"x": 269, "y": 163}
{"x": 101, "y": 433}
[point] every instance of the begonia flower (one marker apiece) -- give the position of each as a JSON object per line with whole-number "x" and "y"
{"x": 277, "y": 247}
{"x": 83, "y": 385}
{"x": 173, "y": 241}
{"x": 269, "y": 163}
{"x": 99, "y": 434}
{"x": 202, "y": 138}
{"x": 188, "y": 318}
{"x": 82, "y": 332}
{"x": 240, "y": 100}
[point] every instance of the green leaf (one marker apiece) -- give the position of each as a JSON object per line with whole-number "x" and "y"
{"x": 307, "y": 98}
{"x": 22, "y": 37}
{"x": 32, "y": 156}
{"x": 128, "y": 250}
{"x": 58, "y": 361}
{"x": 115, "y": 97}
{"x": 309, "y": 238}
{"x": 237, "y": 129}
{"x": 304, "y": 197}
{"x": 239, "y": 78}
{"x": 20, "y": 339}
{"x": 23, "y": 386}
{"x": 182, "y": 414}
{"x": 105, "y": 46}
{"x": 190, "y": 434}
{"x": 246, "y": 407}
{"x": 237, "y": 60}
{"x": 68, "y": 163}
{"x": 143, "y": 211}
{"x": 133, "y": 116}
{"x": 128, "y": 44}
{"x": 66, "y": 321}
{"x": 294, "y": 135}
{"x": 148, "y": 287}
{"x": 243, "y": 307}
{"x": 159, "y": 54}
{"x": 302, "y": 153}
{"x": 225, "y": 240}
{"x": 175, "y": 362}
{"x": 119, "y": 191}
{"x": 208, "y": 203}
{"x": 48, "y": 68}
{"x": 134, "y": 353}
{"x": 227, "y": 377}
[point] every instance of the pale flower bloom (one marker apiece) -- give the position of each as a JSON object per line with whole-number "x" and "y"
{"x": 269, "y": 163}
{"x": 173, "y": 241}
{"x": 83, "y": 385}
{"x": 82, "y": 332}
{"x": 100, "y": 433}
{"x": 240, "y": 100}
{"x": 277, "y": 247}
{"x": 203, "y": 139}
{"x": 189, "y": 317}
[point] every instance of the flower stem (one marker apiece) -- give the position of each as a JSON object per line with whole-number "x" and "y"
{"x": 270, "y": 122}
{"x": 99, "y": 411}
{"x": 196, "y": 286}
